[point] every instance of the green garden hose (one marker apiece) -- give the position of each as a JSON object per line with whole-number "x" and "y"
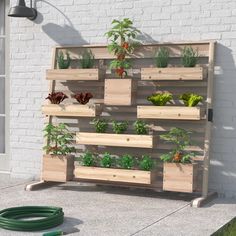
{"x": 15, "y": 218}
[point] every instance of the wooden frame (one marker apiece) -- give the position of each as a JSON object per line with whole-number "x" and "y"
{"x": 173, "y": 73}
{"x": 180, "y": 177}
{"x": 76, "y": 110}
{"x": 115, "y": 140}
{"x": 114, "y": 175}
{"x": 169, "y": 112}
{"x": 75, "y": 74}
{"x": 203, "y": 87}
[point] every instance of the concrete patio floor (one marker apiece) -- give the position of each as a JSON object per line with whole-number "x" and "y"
{"x": 108, "y": 211}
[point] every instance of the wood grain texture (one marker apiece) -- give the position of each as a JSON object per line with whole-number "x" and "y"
{"x": 58, "y": 168}
{"x": 179, "y": 177}
{"x": 75, "y": 74}
{"x": 169, "y": 112}
{"x": 88, "y": 110}
{"x": 115, "y": 175}
{"x": 172, "y": 73}
{"x": 116, "y": 140}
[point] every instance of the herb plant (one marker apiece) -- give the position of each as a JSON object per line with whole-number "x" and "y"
{"x": 160, "y": 99}
{"x": 119, "y": 127}
{"x": 191, "y": 99}
{"x": 87, "y": 60}
{"x": 87, "y": 159}
{"x": 106, "y": 160}
{"x": 146, "y": 163}
{"x": 162, "y": 58}
{"x": 189, "y": 57}
{"x": 181, "y": 139}
{"x": 56, "y": 97}
{"x": 100, "y": 125}
{"x": 140, "y": 127}
{"x": 59, "y": 140}
{"x": 127, "y": 161}
{"x": 62, "y": 62}
{"x": 121, "y": 36}
{"x": 83, "y": 98}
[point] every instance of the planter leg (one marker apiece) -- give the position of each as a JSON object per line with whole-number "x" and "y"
{"x": 201, "y": 201}
{"x": 39, "y": 185}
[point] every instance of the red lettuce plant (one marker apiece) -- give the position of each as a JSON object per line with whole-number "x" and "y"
{"x": 83, "y": 98}
{"x": 56, "y": 97}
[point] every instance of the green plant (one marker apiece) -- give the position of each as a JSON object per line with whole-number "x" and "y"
{"x": 87, "y": 60}
{"x": 181, "y": 139}
{"x": 162, "y": 58}
{"x": 160, "y": 99}
{"x": 189, "y": 57}
{"x": 106, "y": 160}
{"x": 100, "y": 125}
{"x": 62, "y": 62}
{"x": 87, "y": 159}
{"x": 119, "y": 127}
{"x": 127, "y": 161}
{"x": 146, "y": 163}
{"x": 140, "y": 127}
{"x": 59, "y": 139}
{"x": 191, "y": 99}
{"x": 121, "y": 36}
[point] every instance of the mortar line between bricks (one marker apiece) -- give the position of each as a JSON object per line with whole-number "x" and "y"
{"x": 160, "y": 219}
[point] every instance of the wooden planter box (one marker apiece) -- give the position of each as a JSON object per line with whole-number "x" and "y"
{"x": 180, "y": 177}
{"x": 75, "y": 74}
{"x": 88, "y": 110}
{"x": 58, "y": 168}
{"x": 120, "y": 92}
{"x": 173, "y": 73}
{"x": 169, "y": 112}
{"x": 116, "y": 140}
{"x": 114, "y": 175}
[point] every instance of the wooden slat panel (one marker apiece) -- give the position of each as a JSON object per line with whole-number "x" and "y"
{"x": 110, "y": 174}
{"x": 75, "y": 74}
{"x": 172, "y": 73}
{"x": 169, "y": 112}
{"x": 90, "y": 110}
{"x": 118, "y": 140}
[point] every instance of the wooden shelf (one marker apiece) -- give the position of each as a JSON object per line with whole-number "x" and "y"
{"x": 173, "y": 73}
{"x": 114, "y": 175}
{"x": 169, "y": 112}
{"x": 116, "y": 140}
{"x": 75, "y": 74}
{"x": 88, "y": 110}
{"x": 179, "y": 177}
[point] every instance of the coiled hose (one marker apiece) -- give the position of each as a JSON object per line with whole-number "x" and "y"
{"x": 15, "y": 218}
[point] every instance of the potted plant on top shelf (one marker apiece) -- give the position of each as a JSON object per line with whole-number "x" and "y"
{"x": 58, "y": 163}
{"x": 179, "y": 170}
{"x": 122, "y": 44}
{"x": 188, "y": 70}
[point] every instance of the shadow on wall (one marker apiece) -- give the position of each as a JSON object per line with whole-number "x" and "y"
{"x": 62, "y": 35}
{"x": 223, "y": 163}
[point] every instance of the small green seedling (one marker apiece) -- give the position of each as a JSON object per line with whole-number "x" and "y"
{"x": 146, "y": 163}
{"x": 127, "y": 161}
{"x": 140, "y": 127}
{"x": 87, "y": 60}
{"x": 162, "y": 58}
{"x": 191, "y": 99}
{"x": 119, "y": 127}
{"x": 189, "y": 57}
{"x": 100, "y": 125}
{"x": 88, "y": 159}
{"x": 62, "y": 62}
{"x": 106, "y": 160}
{"x": 160, "y": 99}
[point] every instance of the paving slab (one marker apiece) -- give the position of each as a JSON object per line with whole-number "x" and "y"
{"x": 108, "y": 211}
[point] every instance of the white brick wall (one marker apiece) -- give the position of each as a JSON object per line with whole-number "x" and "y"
{"x": 86, "y": 21}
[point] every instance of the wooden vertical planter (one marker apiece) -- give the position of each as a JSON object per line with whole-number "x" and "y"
{"x": 58, "y": 168}
{"x": 120, "y": 92}
{"x": 179, "y": 177}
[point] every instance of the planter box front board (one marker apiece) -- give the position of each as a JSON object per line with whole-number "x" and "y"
{"x": 120, "y": 92}
{"x": 88, "y": 110}
{"x": 114, "y": 175}
{"x": 179, "y": 177}
{"x": 75, "y": 74}
{"x": 117, "y": 140}
{"x": 172, "y": 73}
{"x": 169, "y": 112}
{"x": 58, "y": 168}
